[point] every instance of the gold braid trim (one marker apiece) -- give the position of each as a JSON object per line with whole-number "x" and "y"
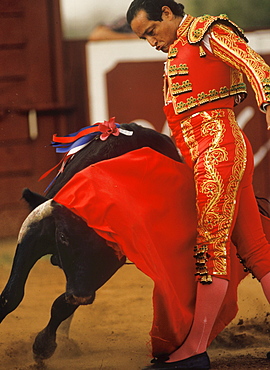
{"x": 213, "y": 186}
{"x": 228, "y": 209}
{"x": 204, "y": 97}
{"x": 201, "y": 25}
{"x": 201, "y": 256}
{"x": 178, "y": 70}
{"x": 178, "y": 89}
{"x": 181, "y": 36}
{"x": 190, "y": 139}
{"x": 235, "y": 52}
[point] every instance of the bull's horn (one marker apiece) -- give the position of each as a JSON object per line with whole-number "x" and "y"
{"x": 40, "y": 212}
{"x": 28, "y": 251}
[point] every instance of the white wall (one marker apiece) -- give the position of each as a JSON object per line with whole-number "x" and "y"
{"x": 101, "y": 58}
{"x": 81, "y": 16}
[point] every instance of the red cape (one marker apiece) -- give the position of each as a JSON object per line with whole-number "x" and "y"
{"x": 144, "y": 204}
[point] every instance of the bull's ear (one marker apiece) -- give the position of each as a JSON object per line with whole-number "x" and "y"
{"x": 33, "y": 199}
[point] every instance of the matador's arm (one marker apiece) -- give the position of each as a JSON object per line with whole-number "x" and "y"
{"x": 234, "y": 51}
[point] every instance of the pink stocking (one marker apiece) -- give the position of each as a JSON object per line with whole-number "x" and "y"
{"x": 208, "y": 302}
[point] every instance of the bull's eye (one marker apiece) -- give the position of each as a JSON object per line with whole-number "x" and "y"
{"x": 62, "y": 238}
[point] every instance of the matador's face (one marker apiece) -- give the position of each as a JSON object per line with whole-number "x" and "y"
{"x": 159, "y": 34}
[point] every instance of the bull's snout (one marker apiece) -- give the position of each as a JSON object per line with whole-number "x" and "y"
{"x": 73, "y": 299}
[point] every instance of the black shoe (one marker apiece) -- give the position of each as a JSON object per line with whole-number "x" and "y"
{"x": 197, "y": 362}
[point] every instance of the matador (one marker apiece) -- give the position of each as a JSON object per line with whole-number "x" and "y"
{"x": 203, "y": 81}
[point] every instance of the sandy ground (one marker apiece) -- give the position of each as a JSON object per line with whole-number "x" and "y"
{"x": 112, "y": 334}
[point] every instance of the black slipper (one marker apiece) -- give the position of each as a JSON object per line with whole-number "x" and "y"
{"x": 197, "y": 362}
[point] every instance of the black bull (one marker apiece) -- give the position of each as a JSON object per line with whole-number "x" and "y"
{"x": 85, "y": 258}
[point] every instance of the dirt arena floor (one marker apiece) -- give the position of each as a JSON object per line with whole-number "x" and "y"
{"x": 112, "y": 334}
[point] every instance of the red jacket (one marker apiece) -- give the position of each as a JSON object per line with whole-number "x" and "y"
{"x": 197, "y": 77}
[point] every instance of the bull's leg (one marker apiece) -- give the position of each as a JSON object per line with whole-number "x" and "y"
{"x": 65, "y": 327}
{"x": 45, "y": 342}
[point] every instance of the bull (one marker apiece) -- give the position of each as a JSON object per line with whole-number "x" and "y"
{"x": 52, "y": 229}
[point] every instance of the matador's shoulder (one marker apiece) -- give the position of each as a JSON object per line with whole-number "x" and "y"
{"x": 201, "y": 25}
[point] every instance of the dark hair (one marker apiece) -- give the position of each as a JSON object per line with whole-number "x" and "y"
{"x": 153, "y": 8}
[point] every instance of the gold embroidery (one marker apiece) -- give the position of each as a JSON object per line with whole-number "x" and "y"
{"x": 177, "y": 89}
{"x": 266, "y": 81}
{"x": 266, "y": 85}
{"x": 203, "y": 97}
{"x": 200, "y": 26}
{"x": 192, "y": 102}
{"x": 172, "y": 53}
{"x": 202, "y": 52}
{"x": 237, "y": 80}
{"x": 213, "y": 188}
{"x": 198, "y": 33}
{"x": 181, "y": 107}
{"x": 213, "y": 94}
{"x": 224, "y": 92}
{"x": 211, "y": 215}
{"x": 183, "y": 29}
{"x": 235, "y": 52}
{"x": 238, "y": 169}
{"x": 236, "y": 87}
{"x": 181, "y": 69}
{"x": 189, "y": 137}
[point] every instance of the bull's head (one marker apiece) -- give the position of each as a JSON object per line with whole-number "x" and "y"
{"x": 85, "y": 257}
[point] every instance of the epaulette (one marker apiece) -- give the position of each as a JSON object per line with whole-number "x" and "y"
{"x": 201, "y": 25}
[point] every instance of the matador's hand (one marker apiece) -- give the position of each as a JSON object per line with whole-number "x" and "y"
{"x": 268, "y": 116}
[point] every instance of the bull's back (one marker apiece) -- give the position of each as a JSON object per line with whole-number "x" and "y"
{"x": 115, "y": 146}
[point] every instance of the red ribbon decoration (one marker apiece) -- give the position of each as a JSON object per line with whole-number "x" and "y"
{"x": 108, "y": 128}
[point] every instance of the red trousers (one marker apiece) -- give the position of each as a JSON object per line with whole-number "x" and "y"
{"x": 222, "y": 160}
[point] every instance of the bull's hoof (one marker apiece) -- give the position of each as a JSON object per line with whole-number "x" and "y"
{"x": 44, "y": 346}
